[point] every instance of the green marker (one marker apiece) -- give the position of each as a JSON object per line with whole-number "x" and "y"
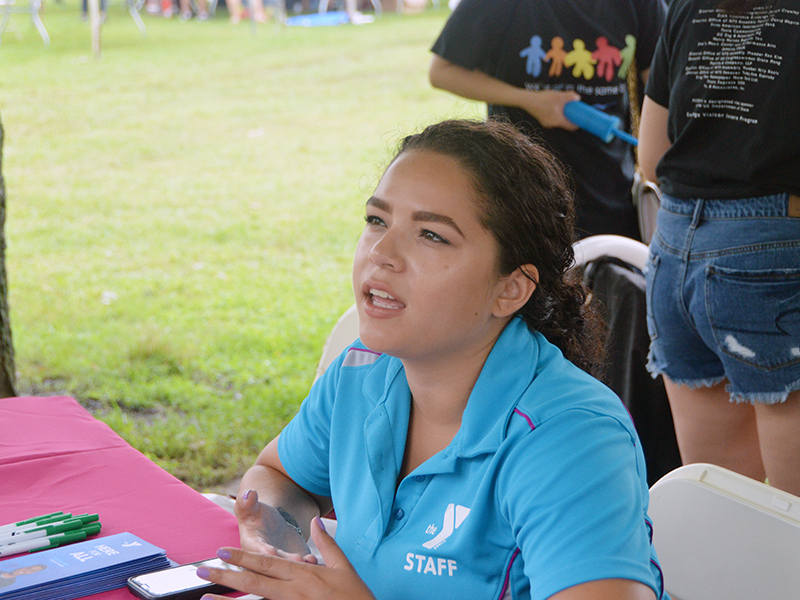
{"x": 46, "y": 543}
{"x": 35, "y": 520}
{"x": 29, "y": 533}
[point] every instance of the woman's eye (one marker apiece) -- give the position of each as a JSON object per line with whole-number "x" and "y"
{"x": 433, "y": 237}
{"x": 373, "y": 220}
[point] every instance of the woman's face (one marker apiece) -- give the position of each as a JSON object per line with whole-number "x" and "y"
{"x": 424, "y": 273}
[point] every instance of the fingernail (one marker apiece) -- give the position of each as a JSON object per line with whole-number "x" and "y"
{"x": 246, "y": 494}
{"x": 224, "y": 554}
{"x": 203, "y": 572}
{"x": 320, "y": 524}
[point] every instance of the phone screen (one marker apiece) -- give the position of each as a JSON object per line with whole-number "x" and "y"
{"x": 177, "y": 581}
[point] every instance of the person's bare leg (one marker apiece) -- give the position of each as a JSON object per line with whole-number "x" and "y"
{"x": 259, "y": 12}
{"x": 235, "y": 10}
{"x": 779, "y": 435}
{"x": 712, "y": 429}
{"x": 186, "y": 9}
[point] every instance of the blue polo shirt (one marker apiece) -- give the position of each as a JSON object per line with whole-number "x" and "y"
{"x": 542, "y": 488}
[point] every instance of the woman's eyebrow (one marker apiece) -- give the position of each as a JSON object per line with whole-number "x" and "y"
{"x": 431, "y": 217}
{"x": 379, "y": 204}
{"x": 422, "y": 216}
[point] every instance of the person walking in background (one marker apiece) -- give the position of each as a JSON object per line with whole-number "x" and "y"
{"x": 187, "y": 12}
{"x": 528, "y": 58}
{"x": 85, "y": 10}
{"x": 235, "y": 10}
{"x": 720, "y": 132}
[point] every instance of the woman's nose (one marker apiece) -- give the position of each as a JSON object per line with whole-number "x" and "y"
{"x": 386, "y": 252}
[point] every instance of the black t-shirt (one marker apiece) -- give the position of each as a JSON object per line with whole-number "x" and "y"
{"x": 580, "y": 45}
{"x": 731, "y": 84}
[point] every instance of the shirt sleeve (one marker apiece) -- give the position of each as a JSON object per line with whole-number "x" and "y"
{"x": 651, "y": 16}
{"x": 472, "y": 36}
{"x": 657, "y": 88}
{"x": 581, "y": 515}
{"x": 658, "y": 81}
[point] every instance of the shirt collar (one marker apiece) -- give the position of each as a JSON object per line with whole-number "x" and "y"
{"x": 507, "y": 373}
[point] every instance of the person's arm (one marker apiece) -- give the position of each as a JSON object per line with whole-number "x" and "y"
{"x": 270, "y": 503}
{"x": 653, "y": 137}
{"x": 546, "y": 106}
{"x": 607, "y": 589}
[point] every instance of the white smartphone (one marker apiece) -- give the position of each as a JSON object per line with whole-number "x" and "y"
{"x": 178, "y": 583}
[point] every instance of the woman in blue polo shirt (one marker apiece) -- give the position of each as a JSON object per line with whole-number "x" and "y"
{"x": 463, "y": 445}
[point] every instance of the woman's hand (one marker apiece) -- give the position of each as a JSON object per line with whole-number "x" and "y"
{"x": 262, "y": 529}
{"x": 546, "y": 106}
{"x": 277, "y": 578}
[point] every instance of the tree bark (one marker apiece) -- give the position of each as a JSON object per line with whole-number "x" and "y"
{"x": 7, "y": 372}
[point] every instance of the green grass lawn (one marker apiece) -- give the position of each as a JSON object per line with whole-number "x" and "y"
{"x": 182, "y": 213}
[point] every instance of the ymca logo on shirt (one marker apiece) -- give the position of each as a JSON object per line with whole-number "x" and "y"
{"x": 454, "y": 516}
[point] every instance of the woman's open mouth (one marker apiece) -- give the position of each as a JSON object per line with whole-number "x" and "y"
{"x": 382, "y": 299}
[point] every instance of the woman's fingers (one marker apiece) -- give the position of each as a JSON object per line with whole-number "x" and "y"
{"x": 263, "y": 574}
{"x": 332, "y": 555}
{"x": 248, "y": 514}
{"x": 263, "y": 529}
{"x": 279, "y": 579}
{"x": 246, "y": 505}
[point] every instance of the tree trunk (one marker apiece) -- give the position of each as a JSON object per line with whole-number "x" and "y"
{"x": 7, "y": 373}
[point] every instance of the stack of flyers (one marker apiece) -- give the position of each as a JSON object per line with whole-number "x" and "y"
{"x": 78, "y": 570}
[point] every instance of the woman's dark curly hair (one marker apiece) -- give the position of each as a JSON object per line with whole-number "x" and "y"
{"x": 526, "y": 204}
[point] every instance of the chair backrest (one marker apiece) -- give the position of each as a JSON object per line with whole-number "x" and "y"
{"x": 631, "y": 251}
{"x": 618, "y": 290}
{"x": 722, "y": 536}
{"x": 344, "y": 333}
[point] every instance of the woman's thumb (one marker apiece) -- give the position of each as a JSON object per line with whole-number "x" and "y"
{"x": 246, "y": 502}
{"x": 332, "y": 555}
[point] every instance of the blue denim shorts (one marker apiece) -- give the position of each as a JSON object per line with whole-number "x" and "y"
{"x": 723, "y": 295}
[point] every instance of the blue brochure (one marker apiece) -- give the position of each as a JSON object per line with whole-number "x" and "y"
{"x": 81, "y": 569}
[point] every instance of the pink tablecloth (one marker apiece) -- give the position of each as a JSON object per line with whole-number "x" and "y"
{"x": 55, "y": 456}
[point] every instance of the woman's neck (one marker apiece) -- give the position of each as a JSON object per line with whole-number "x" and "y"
{"x": 441, "y": 387}
{"x": 440, "y": 391}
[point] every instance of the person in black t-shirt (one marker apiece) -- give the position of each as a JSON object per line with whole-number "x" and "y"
{"x": 527, "y": 58}
{"x": 720, "y": 132}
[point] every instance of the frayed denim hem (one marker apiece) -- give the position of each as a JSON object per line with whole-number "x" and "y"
{"x": 651, "y": 366}
{"x": 765, "y": 397}
{"x": 655, "y": 371}
{"x": 758, "y": 397}
{"x": 694, "y": 384}
{"x": 736, "y": 397}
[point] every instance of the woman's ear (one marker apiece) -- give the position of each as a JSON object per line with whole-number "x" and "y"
{"x": 515, "y": 290}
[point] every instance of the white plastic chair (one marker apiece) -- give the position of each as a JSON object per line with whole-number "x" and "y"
{"x": 32, "y": 8}
{"x": 344, "y": 333}
{"x": 591, "y": 248}
{"x": 722, "y": 536}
